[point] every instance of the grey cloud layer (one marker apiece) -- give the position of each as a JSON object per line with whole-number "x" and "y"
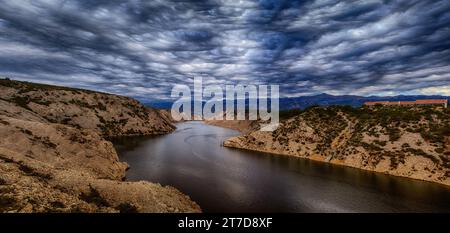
{"x": 141, "y": 48}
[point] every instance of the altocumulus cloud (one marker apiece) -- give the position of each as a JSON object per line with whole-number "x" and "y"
{"x": 142, "y": 48}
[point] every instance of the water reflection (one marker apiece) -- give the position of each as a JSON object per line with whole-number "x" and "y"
{"x": 230, "y": 180}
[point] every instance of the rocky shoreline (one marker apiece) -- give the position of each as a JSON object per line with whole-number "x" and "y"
{"x": 416, "y": 146}
{"x": 54, "y": 155}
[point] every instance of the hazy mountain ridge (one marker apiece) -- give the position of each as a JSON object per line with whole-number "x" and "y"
{"x": 351, "y": 100}
{"x": 54, "y": 156}
{"x": 303, "y": 102}
{"x": 404, "y": 141}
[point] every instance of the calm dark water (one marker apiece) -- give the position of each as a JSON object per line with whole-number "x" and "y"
{"x": 221, "y": 179}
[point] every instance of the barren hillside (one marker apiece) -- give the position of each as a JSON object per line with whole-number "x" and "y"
{"x": 404, "y": 141}
{"x": 54, "y": 156}
{"x": 107, "y": 114}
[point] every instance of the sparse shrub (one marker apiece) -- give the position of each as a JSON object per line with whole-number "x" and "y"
{"x": 21, "y": 102}
{"x": 127, "y": 208}
{"x": 439, "y": 150}
{"x": 381, "y": 143}
{"x": 7, "y": 203}
{"x": 2, "y": 181}
{"x": 93, "y": 196}
{"x": 32, "y": 172}
{"x": 26, "y": 131}
{"x": 4, "y": 122}
{"x": 57, "y": 204}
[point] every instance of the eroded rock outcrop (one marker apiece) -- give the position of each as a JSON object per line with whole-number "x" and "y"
{"x": 54, "y": 156}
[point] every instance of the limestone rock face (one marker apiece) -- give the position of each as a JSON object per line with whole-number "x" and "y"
{"x": 408, "y": 141}
{"x": 54, "y": 156}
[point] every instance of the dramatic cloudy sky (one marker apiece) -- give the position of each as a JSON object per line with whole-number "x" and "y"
{"x": 142, "y": 48}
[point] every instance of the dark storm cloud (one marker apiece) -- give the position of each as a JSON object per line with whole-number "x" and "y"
{"x": 142, "y": 48}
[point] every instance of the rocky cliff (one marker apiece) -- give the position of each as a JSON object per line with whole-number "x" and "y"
{"x": 403, "y": 141}
{"x": 54, "y": 156}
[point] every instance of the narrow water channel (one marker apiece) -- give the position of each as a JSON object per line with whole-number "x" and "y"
{"x": 222, "y": 179}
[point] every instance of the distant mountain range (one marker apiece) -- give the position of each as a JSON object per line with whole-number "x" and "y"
{"x": 352, "y": 100}
{"x": 323, "y": 100}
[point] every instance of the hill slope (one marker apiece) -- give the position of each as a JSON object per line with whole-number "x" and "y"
{"x": 107, "y": 114}
{"x": 404, "y": 141}
{"x": 54, "y": 156}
